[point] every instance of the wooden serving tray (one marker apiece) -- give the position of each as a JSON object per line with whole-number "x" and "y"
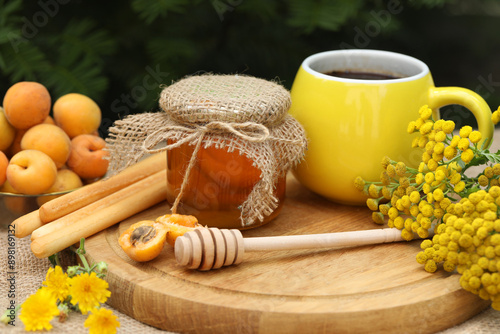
{"x": 369, "y": 289}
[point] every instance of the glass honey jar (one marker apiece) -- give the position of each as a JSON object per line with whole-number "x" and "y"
{"x": 229, "y": 143}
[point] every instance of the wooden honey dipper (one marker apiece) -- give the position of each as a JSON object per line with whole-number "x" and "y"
{"x": 212, "y": 248}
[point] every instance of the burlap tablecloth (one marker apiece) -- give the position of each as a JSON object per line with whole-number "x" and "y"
{"x": 30, "y": 273}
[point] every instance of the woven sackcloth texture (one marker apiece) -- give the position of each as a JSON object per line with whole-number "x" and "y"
{"x": 28, "y": 275}
{"x": 230, "y": 112}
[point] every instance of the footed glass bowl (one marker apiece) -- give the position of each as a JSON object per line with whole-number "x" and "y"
{"x": 13, "y": 206}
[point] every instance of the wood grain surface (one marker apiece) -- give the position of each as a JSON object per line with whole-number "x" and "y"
{"x": 369, "y": 289}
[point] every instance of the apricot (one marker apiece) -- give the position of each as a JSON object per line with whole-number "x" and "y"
{"x": 88, "y": 157}
{"x": 4, "y": 162}
{"x": 7, "y": 132}
{"x": 26, "y": 104}
{"x": 15, "y": 147}
{"x": 66, "y": 179}
{"x": 49, "y": 120}
{"x": 50, "y": 139}
{"x": 31, "y": 172}
{"x": 77, "y": 114}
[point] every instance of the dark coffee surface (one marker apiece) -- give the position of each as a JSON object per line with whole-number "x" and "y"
{"x": 350, "y": 74}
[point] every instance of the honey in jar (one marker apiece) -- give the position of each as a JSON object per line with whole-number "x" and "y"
{"x": 218, "y": 184}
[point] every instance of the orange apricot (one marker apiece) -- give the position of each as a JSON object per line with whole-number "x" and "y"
{"x": 4, "y": 162}
{"x": 88, "y": 157}
{"x": 50, "y": 139}
{"x": 7, "y": 132}
{"x": 26, "y": 104}
{"x": 31, "y": 172}
{"x": 77, "y": 114}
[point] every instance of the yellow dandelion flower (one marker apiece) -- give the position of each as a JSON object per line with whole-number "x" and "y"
{"x": 393, "y": 213}
{"x": 88, "y": 291}
{"x": 391, "y": 171}
{"x": 467, "y": 155}
{"x": 426, "y": 128}
{"x": 439, "y": 148}
{"x": 372, "y": 204}
{"x": 378, "y": 218}
{"x": 496, "y": 169}
{"x": 359, "y": 183}
{"x": 465, "y": 131}
{"x": 431, "y": 135}
{"x": 475, "y": 137}
{"x": 445, "y": 203}
{"x": 400, "y": 168}
{"x": 450, "y": 152}
{"x": 102, "y": 321}
{"x": 386, "y": 192}
{"x": 38, "y": 310}
{"x": 430, "y": 266}
{"x": 57, "y": 283}
{"x": 425, "y": 113}
{"x": 429, "y": 177}
{"x": 428, "y": 210}
{"x": 426, "y": 157}
{"x": 463, "y": 144}
{"x": 406, "y": 235}
{"x": 455, "y": 140}
{"x": 438, "y": 195}
{"x": 423, "y": 109}
{"x": 384, "y": 209}
{"x": 483, "y": 180}
{"x": 412, "y": 126}
{"x": 495, "y": 117}
{"x": 494, "y": 191}
{"x": 448, "y": 127}
{"x": 429, "y": 147}
{"x": 419, "y": 122}
{"x": 437, "y": 157}
{"x": 488, "y": 172}
{"x": 386, "y": 161}
{"x": 432, "y": 164}
{"x": 419, "y": 178}
{"x": 455, "y": 178}
{"x": 438, "y": 125}
{"x": 440, "y": 136}
{"x": 440, "y": 175}
{"x": 374, "y": 190}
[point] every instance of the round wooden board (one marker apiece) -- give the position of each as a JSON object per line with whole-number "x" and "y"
{"x": 369, "y": 289}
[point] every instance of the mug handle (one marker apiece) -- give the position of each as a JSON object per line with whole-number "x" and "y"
{"x": 443, "y": 96}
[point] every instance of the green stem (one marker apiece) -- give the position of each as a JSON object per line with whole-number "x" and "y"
{"x": 80, "y": 252}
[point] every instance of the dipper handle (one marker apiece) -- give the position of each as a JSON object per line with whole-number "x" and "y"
{"x": 212, "y": 248}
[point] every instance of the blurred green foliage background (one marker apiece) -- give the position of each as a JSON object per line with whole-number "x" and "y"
{"x": 120, "y": 52}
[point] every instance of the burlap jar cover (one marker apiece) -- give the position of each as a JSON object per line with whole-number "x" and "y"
{"x": 231, "y": 112}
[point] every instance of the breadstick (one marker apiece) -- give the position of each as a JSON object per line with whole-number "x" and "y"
{"x": 26, "y": 224}
{"x": 87, "y": 210}
{"x": 77, "y": 199}
{"x": 152, "y": 192}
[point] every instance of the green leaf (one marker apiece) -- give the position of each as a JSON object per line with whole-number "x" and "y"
{"x": 328, "y": 15}
{"x": 81, "y": 39}
{"x": 150, "y": 10}
{"x": 25, "y": 64}
{"x": 83, "y": 77}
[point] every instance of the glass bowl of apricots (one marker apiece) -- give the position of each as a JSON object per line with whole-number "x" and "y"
{"x": 46, "y": 148}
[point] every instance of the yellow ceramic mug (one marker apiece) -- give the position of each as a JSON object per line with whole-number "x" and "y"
{"x": 352, "y": 124}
